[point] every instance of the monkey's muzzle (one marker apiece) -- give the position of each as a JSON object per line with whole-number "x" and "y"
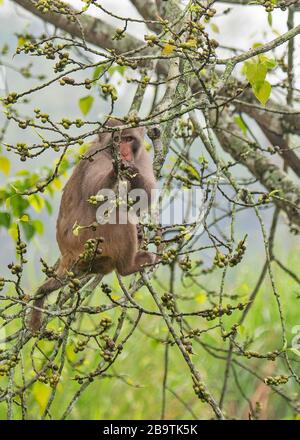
{"x": 126, "y": 151}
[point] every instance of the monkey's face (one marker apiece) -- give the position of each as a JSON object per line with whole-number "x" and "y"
{"x": 130, "y": 144}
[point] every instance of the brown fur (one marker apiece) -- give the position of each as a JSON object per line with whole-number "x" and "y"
{"x": 120, "y": 247}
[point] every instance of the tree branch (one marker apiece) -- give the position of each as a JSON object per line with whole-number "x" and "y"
{"x": 288, "y": 3}
{"x": 269, "y": 174}
{"x": 95, "y": 30}
{"x": 261, "y": 49}
{"x": 148, "y": 11}
{"x": 273, "y": 125}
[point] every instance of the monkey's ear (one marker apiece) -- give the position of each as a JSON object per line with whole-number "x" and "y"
{"x": 114, "y": 122}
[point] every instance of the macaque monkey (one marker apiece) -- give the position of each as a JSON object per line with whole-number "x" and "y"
{"x": 118, "y": 243}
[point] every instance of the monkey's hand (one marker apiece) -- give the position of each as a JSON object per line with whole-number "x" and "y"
{"x": 129, "y": 170}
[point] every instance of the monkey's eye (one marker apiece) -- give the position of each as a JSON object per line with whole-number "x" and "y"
{"x": 127, "y": 139}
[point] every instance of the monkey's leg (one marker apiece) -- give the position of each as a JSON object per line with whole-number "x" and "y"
{"x": 141, "y": 258}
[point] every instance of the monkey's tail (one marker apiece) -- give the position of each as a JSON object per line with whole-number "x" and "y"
{"x": 35, "y": 320}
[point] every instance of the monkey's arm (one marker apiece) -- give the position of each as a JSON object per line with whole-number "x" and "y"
{"x": 98, "y": 176}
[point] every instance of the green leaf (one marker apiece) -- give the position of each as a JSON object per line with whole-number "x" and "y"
{"x": 37, "y": 202}
{"x": 5, "y": 219}
{"x": 22, "y": 173}
{"x": 76, "y": 229}
{"x": 98, "y": 70}
{"x": 48, "y": 207}
{"x": 13, "y": 231}
{"x": 39, "y": 227}
{"x": 215, "y": 28}
{"x": 241, "y": 329}
{"x": 24, "y": 218}
{"x": 21, "y": 40}
{"x": 32, "y": 227}
{"x": 57, "y": 183}
{"x": 4, "y": 164}
{"x": 268, "y": 62}
{"x": 29, "y": 230}
{"x": 270, "y": 19}
{"x": 255, "y": 72}
{"x": 18, "y": 205}
{"x": 201, "y": 159}
{"x": 239, "y": 121}
{"x": 41, "y": 394}
{"x": 85, "y": 104}
{"x": 262, "y": 91}
{"x": 120, "y": 69}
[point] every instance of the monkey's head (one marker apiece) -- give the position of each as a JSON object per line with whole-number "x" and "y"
{"x": 131, "y": 140}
